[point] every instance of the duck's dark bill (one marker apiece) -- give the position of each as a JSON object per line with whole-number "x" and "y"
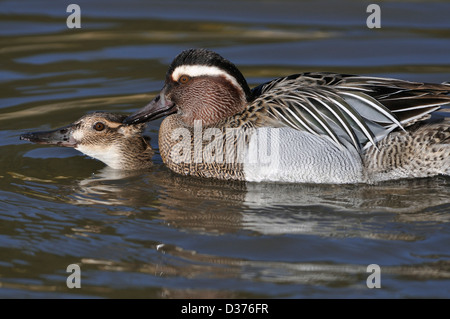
{"x": 60, "y": 137}
{"x": 156, "y": 109}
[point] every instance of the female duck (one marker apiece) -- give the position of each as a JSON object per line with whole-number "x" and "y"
{"x": 310, "y": 127}
{"x": 103, "y": 137}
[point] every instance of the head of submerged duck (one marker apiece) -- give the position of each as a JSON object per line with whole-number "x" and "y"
{"x": 102, "y": 136}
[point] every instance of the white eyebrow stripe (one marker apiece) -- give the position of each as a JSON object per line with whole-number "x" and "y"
{"x": 201, "y": 70}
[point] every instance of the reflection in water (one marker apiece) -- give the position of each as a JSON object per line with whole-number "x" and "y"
{"x": 271, "y": 208}
{"x": 218, "y": 207}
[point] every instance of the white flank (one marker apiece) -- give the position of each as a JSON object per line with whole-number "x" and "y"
{"x": 201, "y": 70}
{"x": 299, "y": 157}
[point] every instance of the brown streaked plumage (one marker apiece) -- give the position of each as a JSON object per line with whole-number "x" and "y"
{"x": 421, "y": 151}
{"x": 102, "y": 136}
{"x": 183, "y": 162}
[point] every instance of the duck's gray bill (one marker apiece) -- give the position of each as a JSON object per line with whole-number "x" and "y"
{"x": 61, "y": 137}
{"x": 156, "y": 109}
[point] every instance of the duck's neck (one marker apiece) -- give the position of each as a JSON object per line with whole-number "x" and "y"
{"x": 131, "y": 155}
{"x": 136, "y": 155}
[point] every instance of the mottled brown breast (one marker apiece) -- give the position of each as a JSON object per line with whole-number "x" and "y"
{"x": 203, "y": 151}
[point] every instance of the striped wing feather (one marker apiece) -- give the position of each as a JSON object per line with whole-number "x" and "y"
{"x": 347, "y": 108}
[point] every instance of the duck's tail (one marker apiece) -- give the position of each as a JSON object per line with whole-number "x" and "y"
{"x": 421, "y": 151}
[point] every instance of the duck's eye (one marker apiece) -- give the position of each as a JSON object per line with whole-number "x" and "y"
{"x": 184, "y": 79}
{"x": 99, "y": 126}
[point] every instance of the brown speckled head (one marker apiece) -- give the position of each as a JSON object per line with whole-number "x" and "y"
{"x": 199, "y": 85}
{"x": 103, "y": 137}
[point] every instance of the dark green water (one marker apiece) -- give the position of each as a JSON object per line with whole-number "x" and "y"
{"x": 158, "y": 235}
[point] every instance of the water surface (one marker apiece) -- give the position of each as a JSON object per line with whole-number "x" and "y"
{"x": 154, "y": 234}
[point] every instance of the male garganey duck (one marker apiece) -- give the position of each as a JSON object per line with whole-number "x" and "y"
{"x": 103, "y": 137}
{"x": 321, "y": 127}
